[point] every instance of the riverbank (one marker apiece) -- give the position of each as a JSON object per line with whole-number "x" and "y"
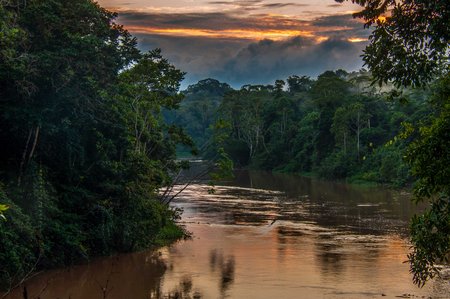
{"x": 167, "y": 234}
{"x": 356, "y": 180}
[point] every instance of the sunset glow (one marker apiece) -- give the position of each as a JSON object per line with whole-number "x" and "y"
{"x": 381, "y": 19}
{"x": 247, "y": 41}
{"x": 240, "y": 34}
{"x": 357, "y": 40}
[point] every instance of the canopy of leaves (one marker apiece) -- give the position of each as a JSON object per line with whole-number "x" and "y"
{"x": 429, "y": 157}
{"x": 85, "y": 148}
{"x": 337, "y": 128}
{"x": 197, "y": 113}
{"x": 409, "y": 44}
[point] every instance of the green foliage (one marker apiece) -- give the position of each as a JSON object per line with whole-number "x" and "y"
{"x": 429, "y": 157}
{"x": 3, "y": 208}
{"x": 223, "y": 168}
{"x": 333, "y": 128}
{"x": 169, "y": 233}
{"x": 197, "y": 113}
{"x": 298, "y": 84}
{"x": 304, "y": 143}
{"x": 385, "y": 165}
{"x": 338, "y": 165}
{"x": 19, "y": 248}
{"x": 84, "y": 145}
{"x": 409, "y": 43}
{"x": 430, "y": 237}
{"x": 430, "y": 151}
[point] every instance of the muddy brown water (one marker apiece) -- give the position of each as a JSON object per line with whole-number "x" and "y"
{"x": 263, "y": 236}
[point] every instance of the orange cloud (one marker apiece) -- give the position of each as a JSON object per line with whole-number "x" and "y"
{"x": 357, "y": 39}
{"x": 249, "y": 34}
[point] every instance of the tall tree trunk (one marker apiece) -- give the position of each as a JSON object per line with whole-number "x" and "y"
{"x": 36, "y": 137}
{"x": 358, "y": 128}
{"x": 345, "y": 143}
{"x": 24, "y": 156}
{"x": 25, "y": 161}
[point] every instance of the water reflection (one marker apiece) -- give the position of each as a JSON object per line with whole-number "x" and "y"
{"x": 124, "y": 276}
{"x": 264, "y": 236}
{"x": 182, "y": 291}
{"x": 330, "y": 255}
{"x": 223, "y": 265}
{"x": 326, "y": 194}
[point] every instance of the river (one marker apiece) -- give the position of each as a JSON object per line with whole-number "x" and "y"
{"x": 263, "y": 235}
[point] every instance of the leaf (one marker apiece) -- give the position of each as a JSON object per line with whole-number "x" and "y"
{"x": 3, "y": 208}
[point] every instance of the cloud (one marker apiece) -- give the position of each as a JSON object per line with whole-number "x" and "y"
{"x": 242, "y": 3}
{"x": 209, "y": 21}
{"x": 200, "y": 57}
{"x": 344, "y": 26}
{"x": 334, "y": 5}
{"x": 253, "y": 27}
{"x": 265, "y": 61}
{"x": 256, "y": 4}
{"x": 238, "y": 62}
{"x": 255, "y": 49}
{"x": 279, "y": 5}
{"x": 338, "y": 20}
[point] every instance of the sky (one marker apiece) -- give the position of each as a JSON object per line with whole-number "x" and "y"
{"x": 246, "y": 41}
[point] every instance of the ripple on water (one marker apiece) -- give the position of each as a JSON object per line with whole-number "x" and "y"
{"x": 303, "y": 239}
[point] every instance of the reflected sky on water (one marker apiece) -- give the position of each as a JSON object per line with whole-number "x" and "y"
{"x": 264, "y": 236}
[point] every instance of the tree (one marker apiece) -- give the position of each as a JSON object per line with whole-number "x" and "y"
{"x": 429, "y": 157}
{"x": 305, "y": 142}
{"x": 251, "y": 124}
{"x": 197, "y": 112}
{"x": 279, "y": 85}
{"x": 340, "y": 127}
{"x": 328, "y": 93}
{"x": 409, "y": 46}
{"x": 409, "y": 43}
{"x": 351, "y": 118}
{"x": 299, "y": 84}
{"x": 84, "y": 146}
{"x": 149, "y": 85}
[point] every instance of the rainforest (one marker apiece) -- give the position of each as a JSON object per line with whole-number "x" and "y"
{"x": 95, "y": 133}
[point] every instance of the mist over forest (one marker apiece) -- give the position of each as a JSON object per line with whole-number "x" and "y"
{"x": 338, "y": 126}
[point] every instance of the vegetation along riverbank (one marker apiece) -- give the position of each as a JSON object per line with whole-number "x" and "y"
{"x": 83, "y": 147}
{"x": 89, "y": 129}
